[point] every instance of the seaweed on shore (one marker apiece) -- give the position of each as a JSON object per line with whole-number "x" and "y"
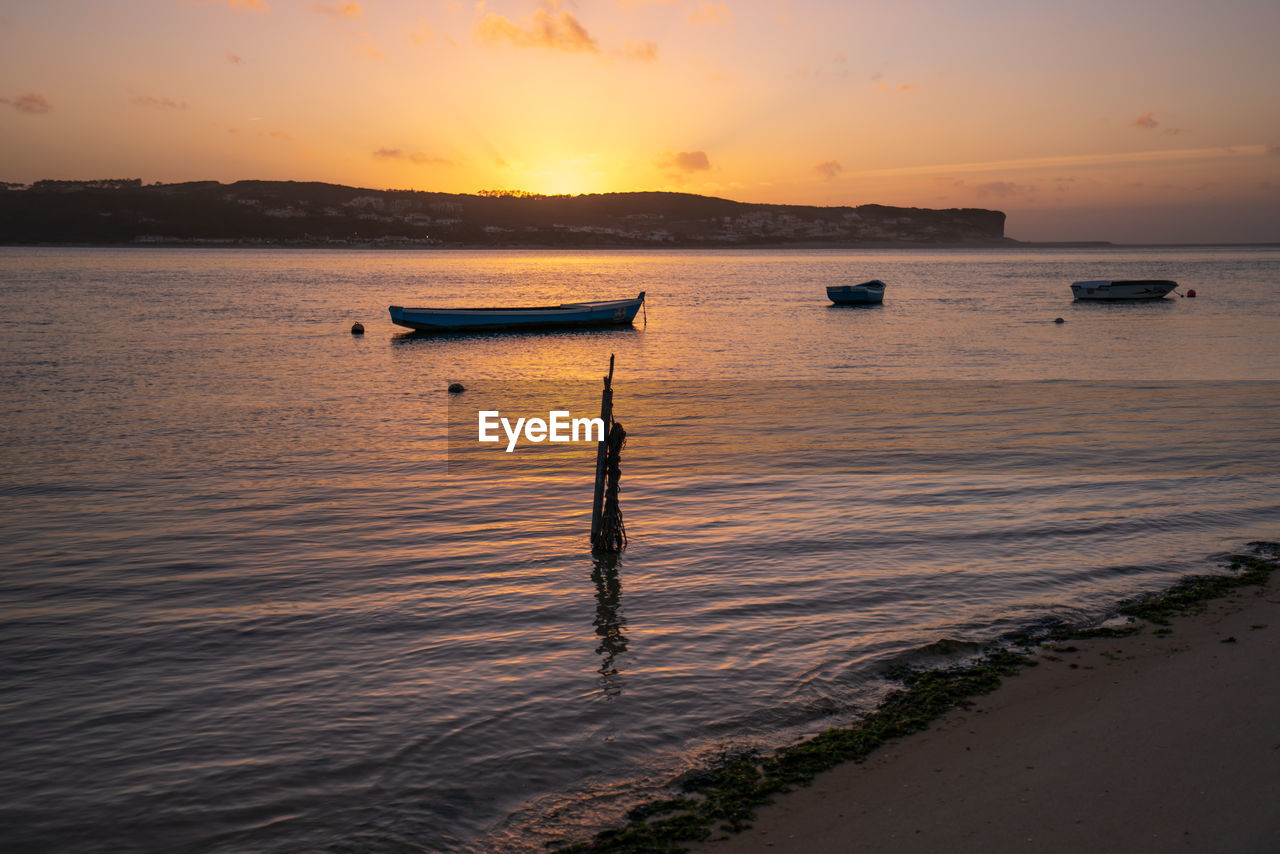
{"x": 1191, "y": 595}
{"x": 727, "y": 794}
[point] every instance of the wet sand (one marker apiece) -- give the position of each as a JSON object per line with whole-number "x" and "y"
{"x": 1141, "y": 743}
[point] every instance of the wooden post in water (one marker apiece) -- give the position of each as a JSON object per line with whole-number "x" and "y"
{"x": 602, "y": 450}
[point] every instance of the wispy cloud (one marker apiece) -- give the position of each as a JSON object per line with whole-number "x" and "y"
{"x": 251, "y": 5}
{"x": 282, "y": 136}
{"x": 837, "y": 63}
{"x": 709, "y": 13}
{"x": 641, "y": 51}
{"x": 998, "y": 190}
{"x": 337, "y": 10}
{"x": 1003, "y": 189}
{"x": 1076, "y": 160}
{"x": 416, "y": 157}
{"x": 32, "y": 103}
{"x": 549, "y": 27}
{"x": 343, "y": 13}
{"x": 882, "y": 86}
{"x": 155, "y": 103}
{"x": 829, "y": 170}
{"x": 1148, "y": 121}
{"x": 422, "y": 33}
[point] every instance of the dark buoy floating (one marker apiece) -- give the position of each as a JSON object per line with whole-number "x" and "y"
{"x": 1058, "y": 320}
{"x": 457, "y": 388}
{"x": 357, "y": 329}
{"x": 1191, "y": 292}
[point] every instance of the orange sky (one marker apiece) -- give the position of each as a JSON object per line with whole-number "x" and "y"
{"x": 1134, "y": 121}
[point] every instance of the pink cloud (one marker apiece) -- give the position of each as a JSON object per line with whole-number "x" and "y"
{"x": 251, "y": 5}
{"x": 338, "y": 10}
{"x": 32, "y": 103}
{"x": 1148, "y": 121}
{"x": 422, "y": 33}
{"x": 549, "y": 27}
{"x": 709, "y": 13}
{"x": 881, "y": 85}
{"x": 1002, "y": 189}
{"x": 159, "y": 103}
{"x": 642, "y": 51}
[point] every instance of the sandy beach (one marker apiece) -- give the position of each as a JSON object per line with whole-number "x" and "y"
{"x": 1147, "y": 742}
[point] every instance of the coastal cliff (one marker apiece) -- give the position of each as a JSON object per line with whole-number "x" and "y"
{"x": 301, "y": 213}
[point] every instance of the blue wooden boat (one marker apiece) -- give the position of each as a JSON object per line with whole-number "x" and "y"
{"x": 872, "y": 291}
{"x": 570, "y": 314}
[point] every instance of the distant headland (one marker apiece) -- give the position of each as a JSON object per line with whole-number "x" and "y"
{"x": 289, "y": 213}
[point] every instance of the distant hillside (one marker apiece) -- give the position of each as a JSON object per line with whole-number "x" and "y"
{"x": 295, "y": 213}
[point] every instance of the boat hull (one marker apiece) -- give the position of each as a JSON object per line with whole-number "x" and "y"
{"x": 1122, "y": 289}
{"x": 568, "y": 315}
{"x": 856, "y": 294}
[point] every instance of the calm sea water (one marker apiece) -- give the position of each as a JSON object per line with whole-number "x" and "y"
{"x": 247, "y": 606}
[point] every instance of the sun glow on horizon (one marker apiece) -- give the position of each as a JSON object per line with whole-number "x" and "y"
{"x": 825, "y": 105}
{"x": 569, "y": 176}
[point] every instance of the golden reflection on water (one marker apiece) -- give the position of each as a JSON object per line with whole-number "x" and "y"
{"x": 878, "y": 427}
{"x": 261, "y": 497}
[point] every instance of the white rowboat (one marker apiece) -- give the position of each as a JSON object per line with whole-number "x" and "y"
{"x": 1122, "y": 289}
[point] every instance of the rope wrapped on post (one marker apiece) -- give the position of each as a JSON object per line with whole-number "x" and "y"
{"x": 612, "y": 536}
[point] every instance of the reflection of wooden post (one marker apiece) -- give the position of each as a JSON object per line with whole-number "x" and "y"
{"x": 606, "y": 415}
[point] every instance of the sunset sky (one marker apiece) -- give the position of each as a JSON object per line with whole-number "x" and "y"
{"x": 1124, "y": 120}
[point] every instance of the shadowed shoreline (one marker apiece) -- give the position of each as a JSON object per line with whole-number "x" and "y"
{"x": 1151, "y": 734}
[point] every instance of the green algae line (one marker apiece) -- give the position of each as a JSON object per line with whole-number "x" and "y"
{"x": 726, "y": 795}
